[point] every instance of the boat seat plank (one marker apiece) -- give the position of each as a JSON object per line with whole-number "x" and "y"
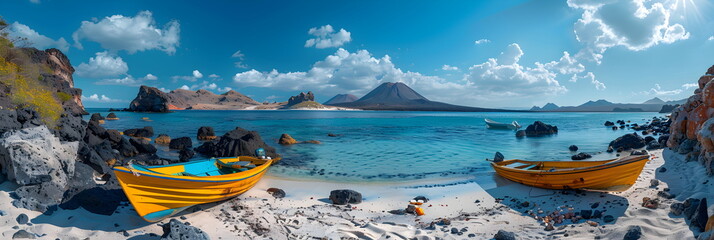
{"x": 518, "y": 164}
{"x": 529, "y": 166}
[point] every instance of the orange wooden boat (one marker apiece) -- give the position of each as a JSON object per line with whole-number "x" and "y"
{"x": 609, "y": 175}
{"x": 158, "y": 192}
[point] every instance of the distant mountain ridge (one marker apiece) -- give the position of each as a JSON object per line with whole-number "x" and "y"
{"x": 341, "y": 98}
{"x": 652, "y": 105}
{"x": 400, "y": 97}
{"x": 654, "y": 100}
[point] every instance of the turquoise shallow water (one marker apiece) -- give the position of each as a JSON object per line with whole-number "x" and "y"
{"x": 391, "y": 146}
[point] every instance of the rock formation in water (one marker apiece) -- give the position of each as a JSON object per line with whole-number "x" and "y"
{"x": 538, "y": 128}
{"x": 302, "y": 97}
{"x": 341, "y": 98}
{"x": 238, "y": 142}
{"x": 692, "y": 128}
{"x": 151, "y": 99}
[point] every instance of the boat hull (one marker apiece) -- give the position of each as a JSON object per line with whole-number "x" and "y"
{"x": 156, "y": 196}
{"x": 612, "y": 175}
{"x": 497, "y": 125}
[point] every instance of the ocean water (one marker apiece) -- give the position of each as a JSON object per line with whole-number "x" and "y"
{"x": 389, "y": 146}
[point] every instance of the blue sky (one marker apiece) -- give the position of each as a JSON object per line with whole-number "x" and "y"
{"x": 476, "y": 53}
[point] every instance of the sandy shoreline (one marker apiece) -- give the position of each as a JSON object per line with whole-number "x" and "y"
{"x": 474, "y": 212}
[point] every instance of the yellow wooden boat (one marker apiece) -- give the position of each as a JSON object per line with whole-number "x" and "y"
{"x": 609, "y": 175}
{"x": 158, "y": 192}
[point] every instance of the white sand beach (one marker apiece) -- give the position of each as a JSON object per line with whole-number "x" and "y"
{"x": 473, "y": 212}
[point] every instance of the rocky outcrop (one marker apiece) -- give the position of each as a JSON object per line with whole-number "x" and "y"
{"x": 205, "y": 133}
{"x": 150, "y": 99}
{"x": 238, "y": 142}
{"x": 667, "y": 108}
{"x": 162, "y": 139}
{"x": 112, "y": 116}
{"x": 692, "y": 127}
{"x": 286, "y": 139}
{"x": 40, "y": 164}
{"x": 180, "y": 143}
{"x": 59, "y": 78}
{"x": 538, "y": 128}
{"x": 302, "y": 97}
{"x": 145, "y": 132}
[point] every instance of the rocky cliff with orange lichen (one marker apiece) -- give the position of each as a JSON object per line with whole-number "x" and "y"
{"x": 692, "y": 128}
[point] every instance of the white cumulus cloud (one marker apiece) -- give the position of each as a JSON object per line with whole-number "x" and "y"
{"x": 657, "y": 90}
{"x": 633, "y": 24}
{"x": 240, "y": 56}
{"x": 195, "y": 75}
{"x": 447, "y": 67}
{"x": 359, "y": 72}
{"x": 482, "y": 41}
{"x": 35, "y": 39}
{"x": 100, "y": 99}
{"x": 128, "y": 80}
{"x": 505, "y": 76}
{"x": 131, "y": 34}
{"x": 326, "y": 37}
{"x": 102, "y": 65}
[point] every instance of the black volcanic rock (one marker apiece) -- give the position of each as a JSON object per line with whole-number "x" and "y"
{"x": 539, "y": 128}
{"x": 302, "y": 97}
{"x": 400, "y": 97}
{"x": 341, "y": 98}
{"x": 628, "y": 141}
{"x": 150, "y": 99}
{"x": 238, "y": 142}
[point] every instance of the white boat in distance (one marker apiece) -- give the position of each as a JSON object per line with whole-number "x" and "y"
{"x": 497, "y": 125}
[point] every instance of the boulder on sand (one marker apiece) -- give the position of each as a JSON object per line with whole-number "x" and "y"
{"x": 628, "y": 141}
{"x": 238, "y": 142}
{"x": 176, "y": 230}
{"x": 345, "y": 196}
{"x": 180, "y": 143}
{"x": 39, "y": 163}
{"x": 504, "y": 235}
{"x": 205, "y": 133}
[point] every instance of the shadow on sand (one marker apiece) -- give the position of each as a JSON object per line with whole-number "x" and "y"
{"x": 685, "y": 180}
